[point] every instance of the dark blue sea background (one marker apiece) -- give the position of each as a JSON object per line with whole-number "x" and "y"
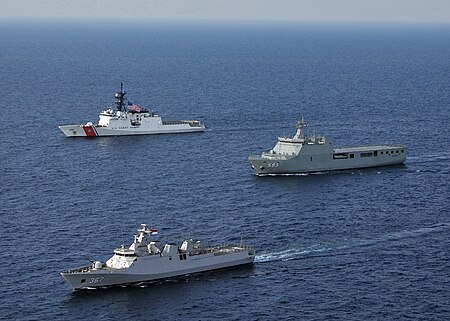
{"x": 353, "y": 245}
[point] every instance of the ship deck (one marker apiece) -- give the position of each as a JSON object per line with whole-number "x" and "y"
{"x": 87, "y": 269}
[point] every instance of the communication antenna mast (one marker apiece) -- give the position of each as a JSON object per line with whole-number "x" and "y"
{"x": 120, "y": 98}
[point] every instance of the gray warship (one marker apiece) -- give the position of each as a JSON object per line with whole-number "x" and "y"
{"x": 306, "y": 154}
{"x": 147, "y": 260}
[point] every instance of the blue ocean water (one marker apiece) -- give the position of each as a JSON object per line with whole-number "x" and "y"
{"x": 353, "y": 245}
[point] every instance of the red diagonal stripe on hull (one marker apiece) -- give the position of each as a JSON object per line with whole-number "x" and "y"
{"x": 89, "y": 131}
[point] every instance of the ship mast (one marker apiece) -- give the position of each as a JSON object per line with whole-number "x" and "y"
{"x": 300, "y": 134}
{"x": 120, "y": 98}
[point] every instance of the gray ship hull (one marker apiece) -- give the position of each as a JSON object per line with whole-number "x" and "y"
{"x": 339, "y": 159}
{"x": 307, "y": 154}
{"x": 153, "y": 268}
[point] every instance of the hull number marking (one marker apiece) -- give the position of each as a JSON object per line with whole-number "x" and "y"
{"x": 96, "y": 280}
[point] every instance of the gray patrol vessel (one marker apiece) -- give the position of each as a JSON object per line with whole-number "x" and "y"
{"x": 305, "y": 154}
{"x": 147, "y": 260}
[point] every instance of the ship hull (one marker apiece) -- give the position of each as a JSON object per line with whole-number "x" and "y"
{"x": 99, "y": 131}
{"x": 341, "y": 159}
{"x": 154, "y": 268}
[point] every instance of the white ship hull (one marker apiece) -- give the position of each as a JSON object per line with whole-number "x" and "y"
{"x": 154, "y": 267}
{"x": 339, "y": 160}
{"x": 99, "y": 131}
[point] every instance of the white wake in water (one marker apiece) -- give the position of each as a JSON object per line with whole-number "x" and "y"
{"x": 290, "y": 254}
{"x": 295, "y": 253}
{"x": 444, "y": 156}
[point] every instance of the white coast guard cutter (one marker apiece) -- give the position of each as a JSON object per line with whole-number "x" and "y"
{"x": 130, "y": 119}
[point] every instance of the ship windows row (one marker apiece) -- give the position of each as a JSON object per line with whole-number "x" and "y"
{"x": 124, "y": 254}
{"x": 375, "y": 153}
{"x": 396, "y": 152}
{"x": 366, "y": 154}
